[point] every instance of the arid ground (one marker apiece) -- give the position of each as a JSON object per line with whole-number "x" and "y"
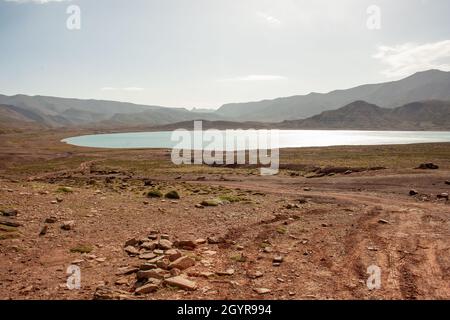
{"x": 310, "y": 232}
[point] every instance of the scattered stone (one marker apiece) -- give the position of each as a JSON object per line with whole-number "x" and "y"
{"x": 254, "y": 275}
{"x": 58, "y": 199}
{"x": 173, "y": 254}
{"x": 9, "y": 212}
{"x": 149, "y": 245}
{"x": 131, "y": 242}
{"x": 182, "y": 263}
{"x": 148, "y": 287}
{"x": 267, "y": 249}
{"x": 9, "y": 223}
{"x": 447, "y": 182}
{"x": 165, "y": 236}
{"x": 239, "y": 247}
{"x": 443, "y": 195}
{"x": 148, "y": 266}
{"x": 199, "y": 206}
{"x": 413, "y": 192}
{"x": 132, "y": 251}
{"x": 147, "y": 256}
{"x": 68, "y": 225}
{"x": 122, "y": 281}
{"x": 210, "y": 203}
{"x": 307, "y": 189}
{"x": 54, "y": 202}
{"x": 228, "y": 272}
{"x": 165, "y": 244}
{"x": 152, "y": 273}
{"x": 185, "y": 244}
{"x": 106, "y": 293}
{"x": 278, "y": 259}
{"x": 348, "y": 172}
{"x": 200, "y": 241}
{"x": 262, "y": 290}
{"x": 155, "y": 193}
{"x": 158, "y": 252}
{"x": 215, "y": 240}
{"x": 428, "y": 165}
{"x": 51, "y": 219}
{"x": 181, "y": 282}
{"x": 163, "y": 264}
{"x": 43, "y": 231}
{"x": 382, "y": 221}
{"x": 127, "y": 270}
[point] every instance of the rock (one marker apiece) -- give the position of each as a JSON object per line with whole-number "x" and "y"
{"x": 215, "y": 240}
{"x": 163, "y": 264}
{"x": 59, "y": 199}
{"x": 200, "y": 241}
{"x": 348, "y": 172}
{"x": 68, "y": 225}
{"x": 149, "y": 245}
{"x": 173, "y": 254}
{"x": 447, "y": 182}
{"x": 199, "y": 206}
{"x": 154, "y": 194}
{"x": 147, "y": 288}
{"x": 9, "y": 212}
{"x": 175, "y": 272}
{"x": 165, "y": 244}
{"x": 428, "y": 165}
{"x": 413, "y": 192}
{"x": 152, "y": 273}
{"x": 43, "y": 231}
{"x": 9, "y": 223}
{"x": 210, "y": 203}
{"x": 443, "y": 195}
{"x": 158, "y": 252}
{"x": 267, "y": 249}
{"x": 277, "y": 259}
{"x": 132, "y": 251}
{"x": 228, "y": 272}
{"x": 181, "y": 282}
{"x": 51, "y": 219}
{"x": 121, "y": 281}
{"x": 147, "y": 256}
{"x": 182, "y": 263}
{"x": 172, "y": 195}
{"x": 127, "y": 270}
{"x": 255, "y": 274}
{"x": 148, "y": 266}
{"x": 165, "y": 236}
{"x": 382, "y": 221}
{"x": 106, "y": 293}
{"x": 131, "y": 242}
{"x": 262, "y": 290}
{"x": 185, "y": 244}
{"x": 307, "y": 189}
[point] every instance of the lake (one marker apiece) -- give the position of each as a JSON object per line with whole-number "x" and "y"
{"x": 286, "y": 138}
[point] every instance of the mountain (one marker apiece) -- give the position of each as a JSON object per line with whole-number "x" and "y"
{"x": 426, "y": 85}
{"x": 56, "y": 112}
{"x": 361, "y": 115}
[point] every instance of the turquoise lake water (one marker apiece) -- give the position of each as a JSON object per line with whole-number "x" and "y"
{"x": 286, "y": 139}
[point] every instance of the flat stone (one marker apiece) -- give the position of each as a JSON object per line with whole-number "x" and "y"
{"x": 149, "y": 245}
{"x": 152, "y": 273}
{"x": 262, "y": 290}
{"x": 106, "y": 293}
{"x": 181, "y": 282}
{"x": 147, "y": 256}
{"x": 146, "y": 288}
{"x": 172, "y": 254}
{"x": 182, "y": 263}
{"x": 215, "y": 240}
{"x": 9, "y": 212}
{"x": 127, "y": 270}
{"x": 131, "y": 242}
{"x": 255, "y": 274}
{"x": 277, "y": 259}
{"x": 228, "y": 272}
{"x": 200, "y": 241}
{"x": 165, "y": 244}
{"x": 382, "y": 221}
{"x": 132, "y": 251}
{"x": 51, "y": 219}
{"x": 148, "y": 266}
{"x": 185, "y": 244}
{"x": 68, "y": 225}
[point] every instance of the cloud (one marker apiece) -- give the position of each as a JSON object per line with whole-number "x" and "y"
{"x": 122, "y": 89}
{"x": 37, "y": 1}
{"x": 255, "y": 77}
{"x": 270, "y": 19}
{"x": 408, "y": 58}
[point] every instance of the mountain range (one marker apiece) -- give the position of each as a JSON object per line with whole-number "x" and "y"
{"x": 420, "y": 101}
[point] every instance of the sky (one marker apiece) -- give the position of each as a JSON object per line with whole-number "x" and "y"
{"x": 204, "y": 53}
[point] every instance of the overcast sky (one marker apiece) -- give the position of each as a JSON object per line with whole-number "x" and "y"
{"x": 204, "y": 53}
